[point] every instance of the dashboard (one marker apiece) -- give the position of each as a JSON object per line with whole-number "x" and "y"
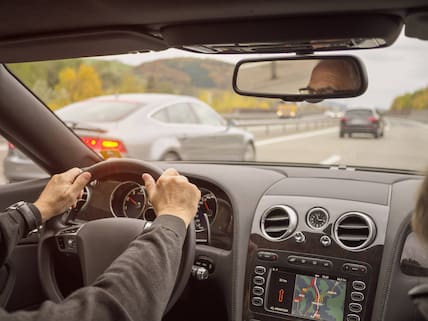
{"x": 290, "y": 243}
{"x": 128, "y": 198}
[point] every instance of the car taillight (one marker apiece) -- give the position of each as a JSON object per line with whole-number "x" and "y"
{"x": 100, "y": 144}
{"x": 10, "y": 145}
{"x": 373, "y": 120}
{"x": 343, "y": 119}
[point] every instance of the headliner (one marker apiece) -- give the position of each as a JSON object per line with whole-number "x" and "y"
{"x": 47, "y": 29}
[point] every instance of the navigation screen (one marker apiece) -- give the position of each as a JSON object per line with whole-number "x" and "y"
{"x": 305, "y": 296}
{"x": 318, "y": 298}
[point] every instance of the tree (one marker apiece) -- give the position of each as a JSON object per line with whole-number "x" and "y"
{"x": 76, "y": 85}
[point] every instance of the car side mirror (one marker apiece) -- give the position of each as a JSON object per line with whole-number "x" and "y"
{"x": 230, "y": 122}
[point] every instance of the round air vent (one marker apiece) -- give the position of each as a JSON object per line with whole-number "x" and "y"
{"x": 278, "y": 222}
{"x": 354, "y": 231}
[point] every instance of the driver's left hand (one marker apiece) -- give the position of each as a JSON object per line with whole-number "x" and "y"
{"x": 61, "y": 192}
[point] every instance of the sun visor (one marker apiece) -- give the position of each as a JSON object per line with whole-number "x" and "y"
{"x": 76, "y": 44}
{"x": 291, "y": 34}
{"x": 417, "y": 25}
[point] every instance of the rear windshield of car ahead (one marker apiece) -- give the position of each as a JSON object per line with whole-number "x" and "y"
{"x": 97, "y": 111}
{"x": 359, "y": 113}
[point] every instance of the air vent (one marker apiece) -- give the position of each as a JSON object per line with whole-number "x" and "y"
{"x": 278, "y": 222}
{"x": 354, "y": 231}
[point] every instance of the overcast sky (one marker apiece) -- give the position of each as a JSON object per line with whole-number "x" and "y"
{"x": 392, "y": 71}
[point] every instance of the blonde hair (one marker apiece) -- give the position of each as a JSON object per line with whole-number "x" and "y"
{"x": 420, "y": 215}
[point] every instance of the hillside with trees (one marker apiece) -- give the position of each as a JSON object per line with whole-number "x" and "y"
{"x": 417, "y": 100}
{"x": 62, "y": 82}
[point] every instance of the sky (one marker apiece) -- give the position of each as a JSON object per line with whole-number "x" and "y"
{"x": 392, "y": 71}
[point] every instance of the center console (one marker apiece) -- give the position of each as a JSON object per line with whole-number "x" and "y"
{"x": 318, "y": 268}
{"x": 309, "y": 287}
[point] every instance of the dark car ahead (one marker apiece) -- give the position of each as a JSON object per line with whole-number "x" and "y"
{"x": 362, "y": 121}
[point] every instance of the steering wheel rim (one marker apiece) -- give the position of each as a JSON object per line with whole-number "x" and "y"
{"x": 56, "y": 225}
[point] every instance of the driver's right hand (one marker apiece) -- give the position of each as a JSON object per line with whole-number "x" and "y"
{"x": 172, "y": 194}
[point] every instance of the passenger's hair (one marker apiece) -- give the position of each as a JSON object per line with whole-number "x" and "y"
{"x": 420, "y": 215}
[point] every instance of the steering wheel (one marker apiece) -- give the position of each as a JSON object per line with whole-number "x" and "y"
{"x": 98, "y": 243}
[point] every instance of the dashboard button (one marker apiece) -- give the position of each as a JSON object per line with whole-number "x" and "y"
{"x": 259, "y": 280}
{"x": 355, "y": 307}
{"x": 362, "y": 269}
{"x": 258, "y": 290}
{"x": 257, "y": 301}
{"x": 327, "y": 264}
{"x": 355, "y": 268}
{"x": 315, "y": 262}
{"x": 260, "y": 270}
{"x": 303, "y": 261}
{"x": 292, "y": 259}
{"x": 267, "y": 256}
{"x": 358, "y": 285}
{"x": 357, "y": 296}
{"x": 352, "y": 317}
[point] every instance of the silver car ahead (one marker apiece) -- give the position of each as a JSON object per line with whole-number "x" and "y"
{"x": 146, "y": 126}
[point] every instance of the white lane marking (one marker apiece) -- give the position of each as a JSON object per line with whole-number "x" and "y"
{"x": 3, "y": 147}
{"x": 333, "y": 159}
{"x": 387, "y": 126}
{"x": 281, "y": 139}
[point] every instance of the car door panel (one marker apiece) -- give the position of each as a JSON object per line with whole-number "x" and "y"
{"x": 20, "y": 286}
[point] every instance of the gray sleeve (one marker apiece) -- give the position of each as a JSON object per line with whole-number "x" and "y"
{"x": 12, "y": 228}
{"x": 137, "y": 285}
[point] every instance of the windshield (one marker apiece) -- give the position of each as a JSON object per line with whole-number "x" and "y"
{"x": 97, "y": 111}
{"x": 194, "y": 114}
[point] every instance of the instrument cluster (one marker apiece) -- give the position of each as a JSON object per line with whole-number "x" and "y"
{"x": 113, "y": 198}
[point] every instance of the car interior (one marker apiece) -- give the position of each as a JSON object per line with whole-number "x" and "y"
{"x": 270, "y": 231}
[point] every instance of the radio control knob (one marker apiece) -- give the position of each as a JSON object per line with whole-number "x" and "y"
{"x": 325, "y": 241}
{"x": 299, "y": 237}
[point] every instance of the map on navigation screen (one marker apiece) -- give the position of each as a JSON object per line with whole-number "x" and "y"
{"x": 318, "y": 298}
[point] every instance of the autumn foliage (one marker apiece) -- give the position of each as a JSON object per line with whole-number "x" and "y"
{"x": 414, "y": 101}
{"x": 59, "y": 83}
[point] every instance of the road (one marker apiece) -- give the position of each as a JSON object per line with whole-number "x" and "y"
{"x": 404, "y": 146}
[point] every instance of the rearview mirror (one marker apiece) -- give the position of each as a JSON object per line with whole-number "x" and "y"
{"x": 310, "y": 78}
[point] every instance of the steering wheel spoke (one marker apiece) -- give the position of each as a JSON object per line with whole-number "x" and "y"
{"x": 66, "y": 239}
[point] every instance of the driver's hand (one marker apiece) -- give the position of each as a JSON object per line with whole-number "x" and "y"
{"x": 173, "y": 194}
{"x": 62, "y": 192}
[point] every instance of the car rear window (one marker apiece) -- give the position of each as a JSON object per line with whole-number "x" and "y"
{"x": 97, "y": 111}
{"x": 359, "y": 113}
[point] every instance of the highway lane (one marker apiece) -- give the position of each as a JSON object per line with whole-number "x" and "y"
{"x": 404, "y": 147}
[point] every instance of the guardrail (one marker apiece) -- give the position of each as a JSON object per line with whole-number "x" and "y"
{"x": 285, "y": 125}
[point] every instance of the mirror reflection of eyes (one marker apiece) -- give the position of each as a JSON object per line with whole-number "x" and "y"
{"x": 317, "y": 91}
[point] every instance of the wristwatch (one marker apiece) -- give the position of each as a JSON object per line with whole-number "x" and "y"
{"x": 30, "y": 214}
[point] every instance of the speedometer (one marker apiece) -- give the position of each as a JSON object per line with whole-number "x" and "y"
{"x": 128, "y": 200}
{"x": 134, "y": 202}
